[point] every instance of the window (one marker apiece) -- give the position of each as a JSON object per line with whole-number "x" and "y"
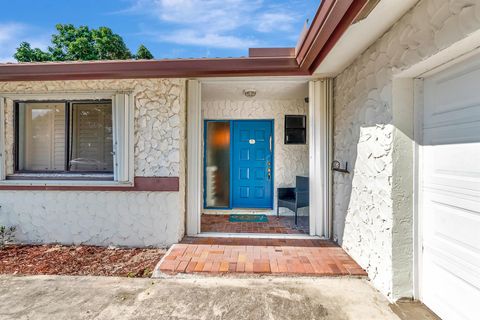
{"x": 70, "y": 137}
{"x": 87, "y": 137}
{"x": 217, "y": 164}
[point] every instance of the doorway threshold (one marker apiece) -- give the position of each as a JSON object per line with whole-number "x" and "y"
{"x": 257, "y": 236}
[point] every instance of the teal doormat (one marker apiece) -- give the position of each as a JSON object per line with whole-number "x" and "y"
{"x": 248, "y": 218}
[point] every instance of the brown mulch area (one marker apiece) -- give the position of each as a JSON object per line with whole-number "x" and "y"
{"x": 78, "y": 260}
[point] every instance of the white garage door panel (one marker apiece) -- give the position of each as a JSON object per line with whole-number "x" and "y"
{"x": 450, "y": 184}
{"x": 463, "y": 301}
{"x": 447, "y": 220}
{"x": 455, "y": 90}
{"x": 449, "y": 169}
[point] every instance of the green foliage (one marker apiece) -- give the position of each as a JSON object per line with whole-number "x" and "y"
{"x": 143, "y": 53}
{"x": 72, "y": 44}
{"x": 25, "y": 53}
{"x": 7, "y": 235}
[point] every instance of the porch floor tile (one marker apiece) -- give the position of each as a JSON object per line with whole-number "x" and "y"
{"x": 278, "y": 225}
{"x": 259, "y": 256}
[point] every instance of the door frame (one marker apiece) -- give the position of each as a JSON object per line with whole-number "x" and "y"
{"x": 232, "y": 142}
{"x": 320, "y": 152}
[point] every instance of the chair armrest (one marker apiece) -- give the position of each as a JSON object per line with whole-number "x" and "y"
{"x": 286, "y": 193}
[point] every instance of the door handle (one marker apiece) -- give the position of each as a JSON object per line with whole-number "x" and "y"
{"x": 270, "y": 141}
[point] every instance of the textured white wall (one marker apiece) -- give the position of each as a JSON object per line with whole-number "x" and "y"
{"x": 104, "y": 218}
{"x": 290, "y": 160}
{"x": 367, "y": 218}
{"x": 100, "y": 218}
{"x": 159, "y": 118}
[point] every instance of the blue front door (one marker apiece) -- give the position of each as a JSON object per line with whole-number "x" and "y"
{"x": 252, "y": 172}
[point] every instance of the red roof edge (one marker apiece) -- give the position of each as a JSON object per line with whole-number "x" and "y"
{"x": 331, "y": 20}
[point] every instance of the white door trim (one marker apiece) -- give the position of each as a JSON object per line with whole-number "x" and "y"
{"x": 417, "y": 187}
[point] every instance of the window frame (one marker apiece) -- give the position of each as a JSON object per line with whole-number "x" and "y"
{"x": 68, "y": 132}
{"x": 122, "y": 135}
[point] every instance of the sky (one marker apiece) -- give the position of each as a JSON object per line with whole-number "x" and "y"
{"x": 168, "y": 28}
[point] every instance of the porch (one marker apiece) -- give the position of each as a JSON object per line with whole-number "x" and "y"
{"x": 251, "y": 141}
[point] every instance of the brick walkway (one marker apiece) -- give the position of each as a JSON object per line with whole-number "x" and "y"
{"x": 275, "y": 225}
{"x": 260, "y": 256}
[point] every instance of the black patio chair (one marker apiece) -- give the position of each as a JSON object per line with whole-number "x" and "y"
{"x": 294, "y": 198}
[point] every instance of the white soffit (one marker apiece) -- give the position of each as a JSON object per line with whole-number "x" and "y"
{"x": 265, "y": 90}
{"x": 362, "y": 34}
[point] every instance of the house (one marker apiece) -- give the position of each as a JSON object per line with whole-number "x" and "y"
{"x": 137, "y": 153}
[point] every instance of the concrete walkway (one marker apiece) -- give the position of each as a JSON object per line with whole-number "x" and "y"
{"x": 195, "y": 297}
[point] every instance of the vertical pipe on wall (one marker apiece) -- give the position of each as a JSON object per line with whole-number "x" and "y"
{"x": 314, "y": 123}
{"x": 329, "y": 155}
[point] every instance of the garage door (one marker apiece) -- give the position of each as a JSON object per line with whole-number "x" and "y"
{"x": 450, "y": 197}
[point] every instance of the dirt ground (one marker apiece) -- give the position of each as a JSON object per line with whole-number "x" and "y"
{"x": 78, "y": 260}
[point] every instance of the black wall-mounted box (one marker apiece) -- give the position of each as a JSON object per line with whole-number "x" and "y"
{"x": 295, "y": 129}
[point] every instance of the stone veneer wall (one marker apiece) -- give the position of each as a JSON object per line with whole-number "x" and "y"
{"x": 366, "y": 222}
{"x": 109, "y": 218}
{"x": 289, "y": 160}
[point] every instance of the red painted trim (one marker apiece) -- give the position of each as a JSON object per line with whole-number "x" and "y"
{"x": 140, "y": 184}
{"x": 325, "y": 31}
{"x": 149, "y": 69}
{"x": 315, "y": 27}
{"x": 271, "y": 52}
{"x": 347, "y": 18}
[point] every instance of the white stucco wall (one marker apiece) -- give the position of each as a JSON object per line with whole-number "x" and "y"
{"x": 289, "y": 160}
{"x": 372, "y": 212}
{"x": 109, "y": 218}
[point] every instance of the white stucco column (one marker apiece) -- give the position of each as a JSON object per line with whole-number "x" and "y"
{"x": 194, "y": 153}
{"x": 320, "y": 134}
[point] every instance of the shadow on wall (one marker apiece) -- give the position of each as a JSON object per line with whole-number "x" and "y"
{"x": 365, "y": 143}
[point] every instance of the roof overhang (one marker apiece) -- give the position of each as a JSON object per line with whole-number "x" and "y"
{"x": 331, "y": 20}
{"x": 175, "y": 68}
{"x": 377, "y": 19}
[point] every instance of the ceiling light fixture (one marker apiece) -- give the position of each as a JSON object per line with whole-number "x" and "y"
{"x": 250, "y": 93}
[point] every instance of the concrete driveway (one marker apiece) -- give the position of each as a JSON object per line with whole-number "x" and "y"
{"x": 195, "y": 297}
